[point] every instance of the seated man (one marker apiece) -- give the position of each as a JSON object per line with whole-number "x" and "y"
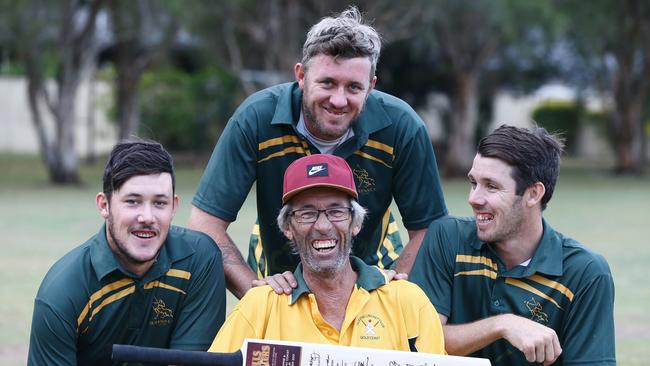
{"x": 339, "y": 299}
{"x": 138, "y": 281}
{"x": 508, "y": 287}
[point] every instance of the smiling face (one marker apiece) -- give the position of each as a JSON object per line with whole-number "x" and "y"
{"x": 498, "y": 210}
{"x": 324, "y": 246}
{"x": 138, "y": 218}
{"x": 334, "y": 92}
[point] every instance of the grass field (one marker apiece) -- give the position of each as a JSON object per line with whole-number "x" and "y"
{"x": 40, "y": 223}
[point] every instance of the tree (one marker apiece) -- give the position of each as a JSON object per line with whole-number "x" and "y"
{"x": 467, "y": 35}
{"x": 611, "y": 40}
{"x": 59, "y": 34}
{"x": 144, "y": 31}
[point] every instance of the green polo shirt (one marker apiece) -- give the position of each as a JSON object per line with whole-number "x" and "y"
{"x": 390, "y": 155}
{"x": 88, "y": 302}
{"x": 565, "y": 286}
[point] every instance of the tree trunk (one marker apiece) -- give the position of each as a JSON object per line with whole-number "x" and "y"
{"x": 127, "y": 103}
{"x": 66, "y": 171}
{"x": 462, "y": 130}
{"x": 625, "y": 129}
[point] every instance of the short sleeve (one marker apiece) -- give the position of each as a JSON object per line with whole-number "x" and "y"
{"x": 417, "y": 187}
{"x": 247, "y": 320}
{"x": 230, "y": 173}
{"x": 588, "y": 334}
{"x": 53, "y": 337}
{"x": 204, "y": 307}
{"x": 433, "y": 269}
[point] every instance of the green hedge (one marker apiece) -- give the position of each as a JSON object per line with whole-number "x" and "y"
{"x": 560, "y": 117}
{"x": 186, "y": 112}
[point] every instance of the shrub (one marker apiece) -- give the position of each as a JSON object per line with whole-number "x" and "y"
{"x": 560, "y": 117}
{"x": 186, "y": 112}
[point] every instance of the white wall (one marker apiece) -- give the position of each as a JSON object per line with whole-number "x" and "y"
{"x": 17, "y": 132}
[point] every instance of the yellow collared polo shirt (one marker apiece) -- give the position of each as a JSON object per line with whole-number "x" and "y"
{"x": 393, "y": 315}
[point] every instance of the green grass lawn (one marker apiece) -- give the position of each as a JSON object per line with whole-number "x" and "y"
{"x": 40, "y": 223}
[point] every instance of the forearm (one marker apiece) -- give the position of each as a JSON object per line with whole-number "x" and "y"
{"x": 463, "y": 339}
{"x": 237, "y": 273}
{"x": 407, "y": 257}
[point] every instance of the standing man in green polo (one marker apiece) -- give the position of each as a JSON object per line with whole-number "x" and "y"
{"x": 332, "y": 108}
{"x": 506, "y": 285}
{"x": 139, "y": 281}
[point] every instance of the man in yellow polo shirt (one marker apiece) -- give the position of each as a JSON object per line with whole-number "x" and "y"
{"x": 339, "y": 299}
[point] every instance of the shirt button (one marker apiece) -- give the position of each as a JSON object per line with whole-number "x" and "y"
{"x": 496, "y": 302}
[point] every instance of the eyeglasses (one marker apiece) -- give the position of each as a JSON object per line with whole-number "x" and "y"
{"x": 309, "y": 216}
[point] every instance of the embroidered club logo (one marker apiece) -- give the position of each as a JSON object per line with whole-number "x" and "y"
{"x": 365, "y": 182}
{"x": 317, "y": 170}
{"x": 162, "y": 314}
{"x": 371, "y": 327}
{"x": 536, "y": 313}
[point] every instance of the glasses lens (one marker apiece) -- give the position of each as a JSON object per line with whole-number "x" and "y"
{"x": 338, "y": 214}
{"x": 306, "y": 216}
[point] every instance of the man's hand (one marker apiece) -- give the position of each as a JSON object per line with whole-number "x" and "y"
{"x": 282, "y": 283}
{"x": 536, "y": 341}
{"x": 393, "y": 275}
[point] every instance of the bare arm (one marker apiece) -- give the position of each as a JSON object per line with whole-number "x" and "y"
{"x": 406, "y": 259}
{"x": 537, "y": 342}
{"x": 239, "y": 276}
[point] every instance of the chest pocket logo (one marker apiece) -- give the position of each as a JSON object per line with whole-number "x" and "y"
{"x": 162, "y": 314}
{"x": 366, "y": 183}
{"x": 371, "y": 326}
{"x": 536, "y": 313}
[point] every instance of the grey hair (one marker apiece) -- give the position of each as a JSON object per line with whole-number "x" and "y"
{"x": 358, "y": 215}
{"x": 345, "y": 36}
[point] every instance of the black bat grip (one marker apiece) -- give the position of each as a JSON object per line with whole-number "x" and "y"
{"x": 128, "y": 353}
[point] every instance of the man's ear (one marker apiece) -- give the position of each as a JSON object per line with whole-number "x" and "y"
{"x": 102, "y": 204}
{"x": 534, "y": 194}
{"x": 288, "y": 234}
{"x": 299, "y": 72}
{"x": 356, "y": 229}
{"x": 373, "y": 82}
{"x": 176, "y": 202}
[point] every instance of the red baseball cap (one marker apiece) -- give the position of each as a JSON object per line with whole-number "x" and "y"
{"x": 318, "y": 170}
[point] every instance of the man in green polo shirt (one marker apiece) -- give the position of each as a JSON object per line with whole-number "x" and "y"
{"x": 506, "y": 285}
{"x": 332, "y": 108}
{"x": 139, "y": 280}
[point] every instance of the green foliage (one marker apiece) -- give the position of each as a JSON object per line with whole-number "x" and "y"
{"x": 186, "y": 112}
{"x": 560, "y": 117}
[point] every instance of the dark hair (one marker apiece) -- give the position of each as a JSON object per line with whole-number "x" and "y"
{"x": 136, "y": 157}
{"x": 534, "y": 156}
{"x": 344, "y": 35}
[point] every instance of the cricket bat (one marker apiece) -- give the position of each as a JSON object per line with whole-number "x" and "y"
{"x": 258, "y": 352}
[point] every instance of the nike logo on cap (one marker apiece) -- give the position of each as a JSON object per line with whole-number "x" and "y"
{"x": 314, "y": 170}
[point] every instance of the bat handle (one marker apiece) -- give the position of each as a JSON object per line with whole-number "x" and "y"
{"x": 128, "y": 353}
